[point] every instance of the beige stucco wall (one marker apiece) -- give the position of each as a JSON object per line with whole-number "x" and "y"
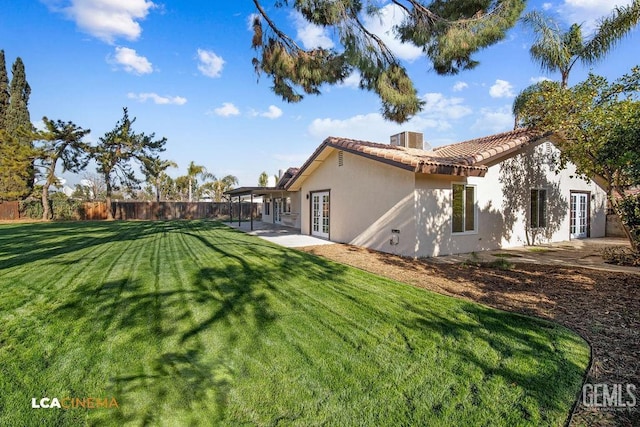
{"x": 503, "y": 203}
{"x": 292, "y": 219}
{"x": 368, "y": 199}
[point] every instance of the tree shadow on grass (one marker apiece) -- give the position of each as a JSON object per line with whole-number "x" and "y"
{"x": 229, "y": 289}
{"x": 528, "y": 356}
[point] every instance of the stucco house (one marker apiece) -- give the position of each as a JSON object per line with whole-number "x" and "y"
{"x": 498, "y": 191}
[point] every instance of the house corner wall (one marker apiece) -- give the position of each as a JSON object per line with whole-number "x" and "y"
{"x": 371, "y": 203}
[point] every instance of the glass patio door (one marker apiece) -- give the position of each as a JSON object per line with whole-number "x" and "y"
{"x": 579, "y": 206}
{"x": 320, "y": 214}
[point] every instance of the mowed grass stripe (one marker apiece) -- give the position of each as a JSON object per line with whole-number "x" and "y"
{"x": 192, "y": 323}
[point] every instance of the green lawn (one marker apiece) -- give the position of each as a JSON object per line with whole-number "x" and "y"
{"x": 192, "y": 323}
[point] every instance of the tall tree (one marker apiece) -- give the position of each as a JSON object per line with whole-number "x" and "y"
{"x": 558, "y": 50}
{"x": 17, "y": 156}
{"x": 154, "y": 169}
{"x": 4, "y": 91}
{"x": 15, "y": 159}
{"x": 115, "y": 151}
{"x": 219, "y": 186}
{"x": 59, "y": 142}
{"x": 449, "y": 32}
{"x": 193, "y": 172}
{"x": 263, "y": 179}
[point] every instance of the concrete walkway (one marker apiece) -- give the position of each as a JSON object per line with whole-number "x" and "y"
{"x": 575, "y": 253}
{"x": 279, "y": 234}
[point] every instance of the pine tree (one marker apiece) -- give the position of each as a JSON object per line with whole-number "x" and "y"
{"x": 449, "y": 32}
{"x": 16, "y": 156}
{"x": 17, "y": 116}
{"x": 19, "y": 129}
{"x": 4, "y": 90}
{"x": 115, "y": 151}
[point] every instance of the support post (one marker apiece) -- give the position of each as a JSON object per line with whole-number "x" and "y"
{"x": 251, "y": 211}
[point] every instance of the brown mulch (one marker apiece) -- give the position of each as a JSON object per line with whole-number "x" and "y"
{"x": 601, "y": 306}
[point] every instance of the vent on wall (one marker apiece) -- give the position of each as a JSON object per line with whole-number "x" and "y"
{"x": 340, "y": 158}
{"x": 408, "y": 140}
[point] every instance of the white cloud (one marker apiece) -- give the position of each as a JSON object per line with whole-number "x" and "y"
{"x": 438, "y": 107}
{"x": 210, "y": 64}
{"x": 227, "y": 110}
{"x": 311, "y": 35}
{"x": 157, "y": 99}
{"x": 273, "y": 112}
{"x": 438, "y": 114}
{"x": 107, "y": 19}
{"x": 547, "y": 6}
{"x": 352, "y": 81}
{"x": 501, "y": 89}
{"x": 493, "y": 121}
{"x": 368, "y": 127}
{"x": 131, "y": 62}
{"x": 588, "y": 12}
{"x": 539, "y": 79}
{"x": 382, "y": 25}
{"x": 460, "y": 86}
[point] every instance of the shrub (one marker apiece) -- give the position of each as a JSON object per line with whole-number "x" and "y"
{"x": 31, "y": 208}
{"x": 621, "y": 255}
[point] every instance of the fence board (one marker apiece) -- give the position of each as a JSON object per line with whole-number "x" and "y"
{"x": 9, "y": 211}
{"x": 129, "y": 210}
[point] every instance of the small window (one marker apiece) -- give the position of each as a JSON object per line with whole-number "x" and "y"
{"x": 340, "y": 158}
{"x": 287, "y": 205}
{"x": 538, "y": 212}
{"x": 267, "y": 206}
{"x": 464, "y": 208}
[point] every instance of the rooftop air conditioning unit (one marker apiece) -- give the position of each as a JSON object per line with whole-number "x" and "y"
{"x": 408, "y": 140}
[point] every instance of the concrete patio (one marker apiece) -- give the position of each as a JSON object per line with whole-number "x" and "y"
{"x": 279, "y": 234}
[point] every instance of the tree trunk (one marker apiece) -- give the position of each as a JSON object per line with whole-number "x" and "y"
{"x": 45, "y": 202}
{"x": 190, "y": 185}
{"x": 108, "y": 201}
{"x": 625, "y": 227}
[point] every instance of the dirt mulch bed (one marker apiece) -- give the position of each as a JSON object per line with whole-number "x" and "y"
{"x": 602, "y": 306}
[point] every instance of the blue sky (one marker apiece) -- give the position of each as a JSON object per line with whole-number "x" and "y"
{"x": 183, "y": 68}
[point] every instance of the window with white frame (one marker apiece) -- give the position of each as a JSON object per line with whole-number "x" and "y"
{"x": 266, "y": 205}
{"x": 464, "y": 208}
{"x": 538, "y": 211}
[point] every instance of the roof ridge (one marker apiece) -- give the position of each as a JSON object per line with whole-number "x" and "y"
{"x": 488, "y": 138}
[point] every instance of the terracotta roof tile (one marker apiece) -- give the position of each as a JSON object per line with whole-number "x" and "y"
{"x": 468, "y": 158}
{"x": 483, "y": 150}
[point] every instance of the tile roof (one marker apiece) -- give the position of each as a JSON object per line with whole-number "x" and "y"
{"x": 468, "y": 158}
{"x": 286, "y": 177}
{"x": 483, "y": 150}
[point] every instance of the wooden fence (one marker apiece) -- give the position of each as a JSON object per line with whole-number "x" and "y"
{"x": 127, "y": 210}
{"x": 9, "y": 211}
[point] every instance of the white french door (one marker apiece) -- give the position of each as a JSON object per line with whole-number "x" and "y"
{"x": 579, "y": 215}
{"x": 320, "y": 214}
{"x": 277, "y": 211}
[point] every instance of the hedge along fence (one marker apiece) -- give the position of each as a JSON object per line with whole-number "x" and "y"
{"x": 127, "y": 210}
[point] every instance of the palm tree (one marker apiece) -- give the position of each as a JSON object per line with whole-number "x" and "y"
{"x": 556, "y": 50}
{"x": 263, "y": 180}
{"x": 193, "y": 171}
{"x": 222, "y": 185}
